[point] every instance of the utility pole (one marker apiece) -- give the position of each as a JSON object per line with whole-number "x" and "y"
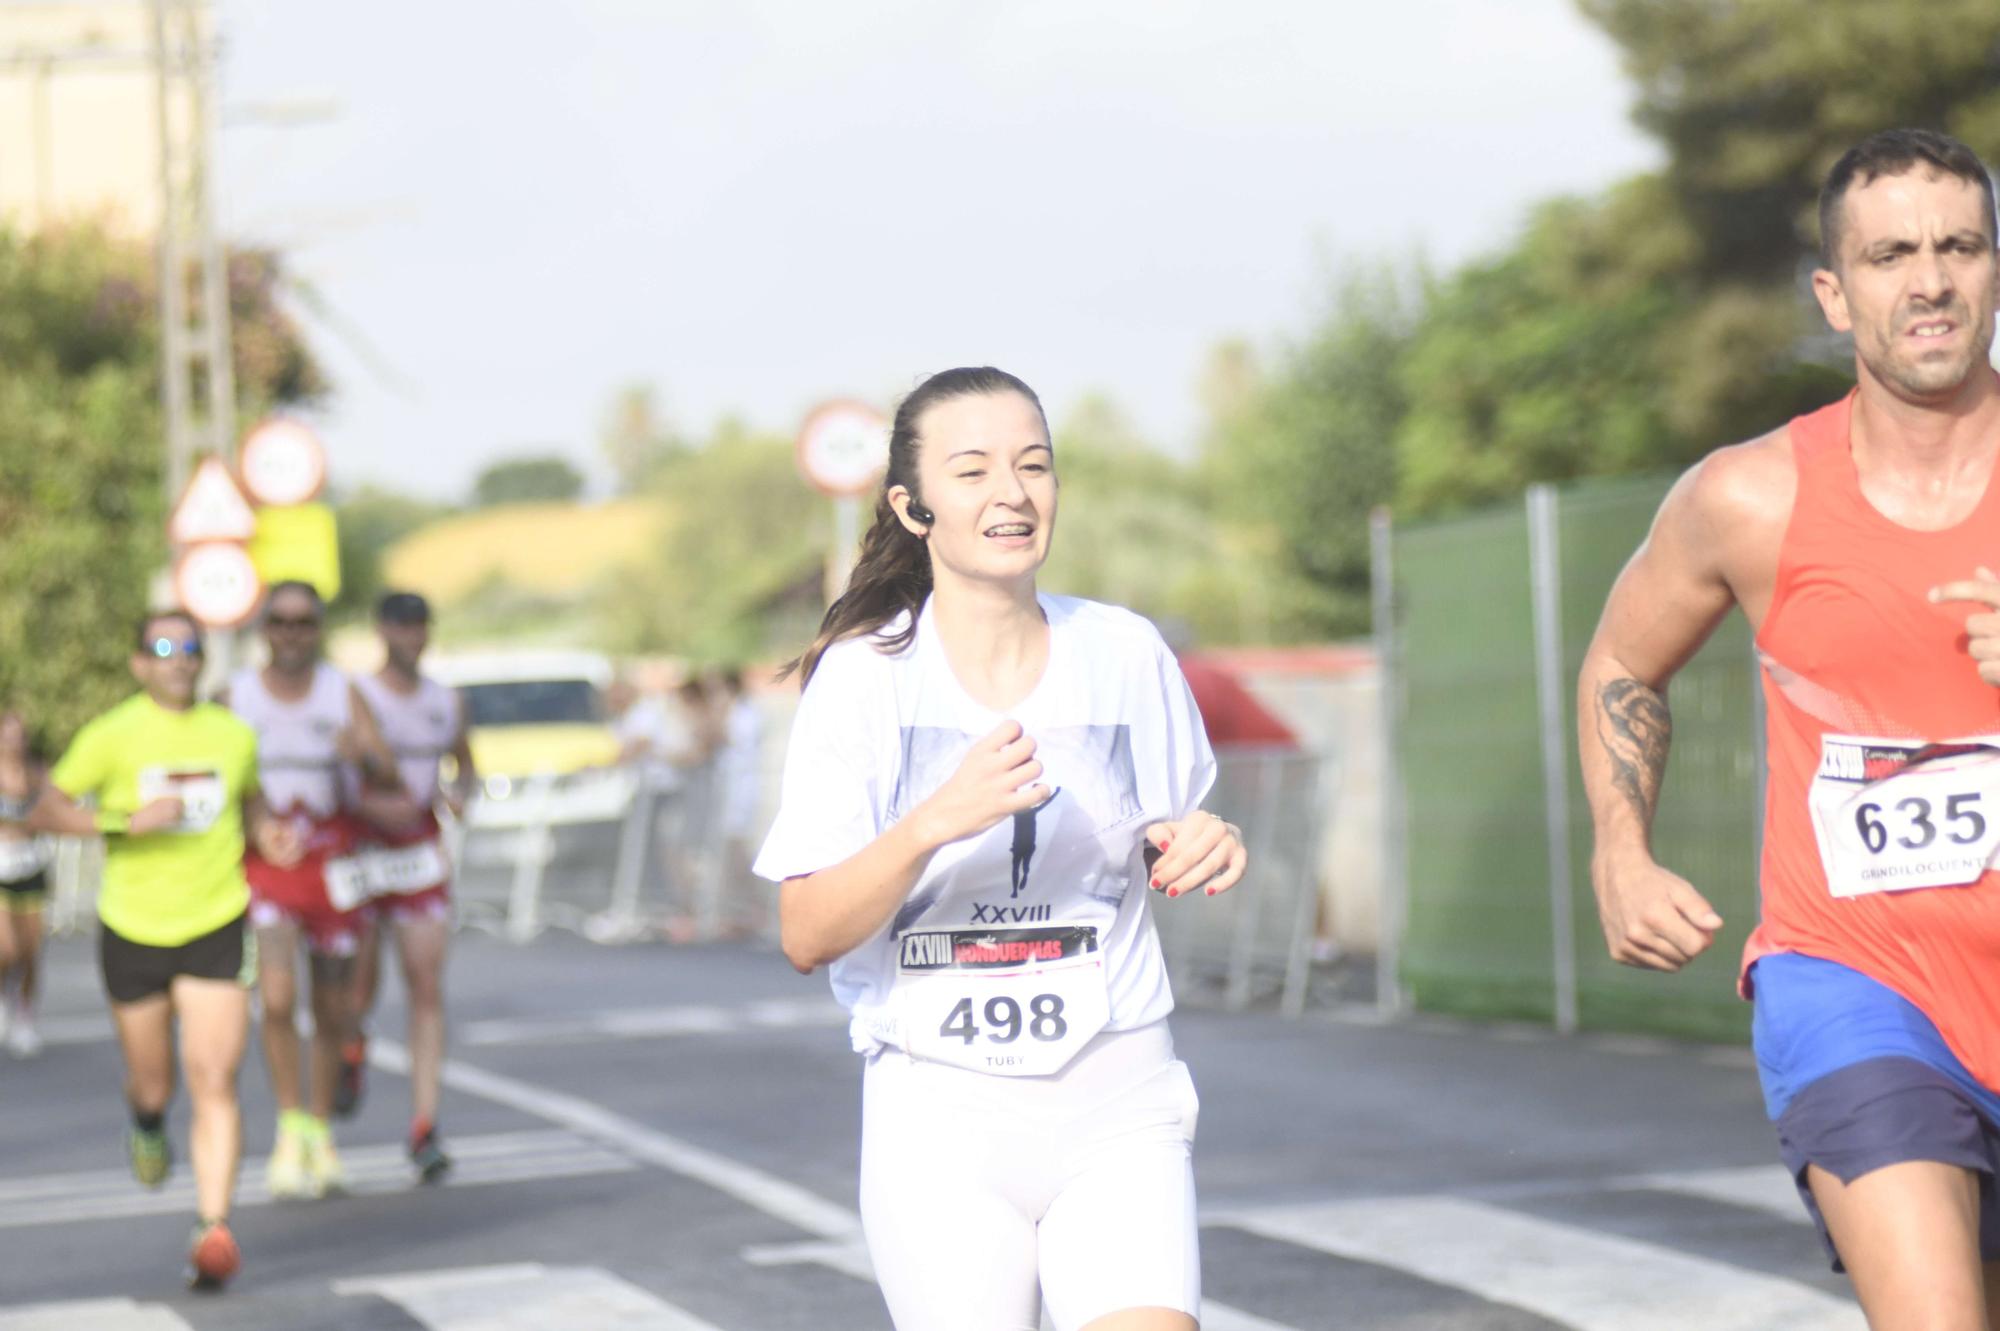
{"x": 198, "y": 379}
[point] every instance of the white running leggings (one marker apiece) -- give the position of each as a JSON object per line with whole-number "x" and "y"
{"x": 982, "y": 1195}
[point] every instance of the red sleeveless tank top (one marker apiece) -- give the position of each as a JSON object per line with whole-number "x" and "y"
{"x": 1851, "y": 645}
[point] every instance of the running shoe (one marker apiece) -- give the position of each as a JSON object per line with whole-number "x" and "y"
{"x": 23, "y": 1040}
{"x": 348, "y": 1089}
{"x": 285, "y": 1174}
{"x": 427, "y": 1153}
{"x": 323, "y": 1170}
{"x": 213, "y": 1257}
{"x": 152, "y": 1158}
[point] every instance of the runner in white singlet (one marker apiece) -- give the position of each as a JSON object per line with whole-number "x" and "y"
{"x": 976, "y": 786}
{"x": 409, "y": 877}
{"x": 309, "y": 721}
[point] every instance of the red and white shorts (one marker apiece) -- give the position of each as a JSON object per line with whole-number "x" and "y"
{"x": 297, "y": 894}
{"x": 408, "y": 873}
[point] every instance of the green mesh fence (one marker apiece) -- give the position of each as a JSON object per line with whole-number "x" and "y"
{"x": 1478, "y": 938}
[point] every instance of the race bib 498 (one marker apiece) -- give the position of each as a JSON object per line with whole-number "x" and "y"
{"x": 1013, "y": 1002}
{"x": 1893, "y": 815}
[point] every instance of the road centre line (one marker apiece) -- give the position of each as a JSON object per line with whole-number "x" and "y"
{"x": 764, "y": 1192}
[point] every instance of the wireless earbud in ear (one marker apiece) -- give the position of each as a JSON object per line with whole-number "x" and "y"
{"x": 918, "y": 513}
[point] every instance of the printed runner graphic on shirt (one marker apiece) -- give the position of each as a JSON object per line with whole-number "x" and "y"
{"x": 1094, "y": 797}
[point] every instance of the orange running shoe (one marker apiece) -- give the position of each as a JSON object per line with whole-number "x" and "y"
{"x": 214, "y": 1258}
{"x": 347, "y": 1091}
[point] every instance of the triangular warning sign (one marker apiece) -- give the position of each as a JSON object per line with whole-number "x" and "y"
{"x": 212, "y": 508}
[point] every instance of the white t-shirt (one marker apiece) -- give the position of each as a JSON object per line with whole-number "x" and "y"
{"x": 1121, "y": 744}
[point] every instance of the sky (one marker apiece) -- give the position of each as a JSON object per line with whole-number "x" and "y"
{"x": 505, "y": 212}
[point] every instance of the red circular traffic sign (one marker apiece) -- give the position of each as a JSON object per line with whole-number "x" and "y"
{"x": 217, "y": 584}
{"x": 282, "y": 462}
{"x": 843, "y": 448}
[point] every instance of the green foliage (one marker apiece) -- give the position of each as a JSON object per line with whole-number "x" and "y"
{"x": 1297, "y": 460}
{"x": 745, "y": 536}
{"x": 1628, "y": 332}
{"x": 526, "y": 481}
{"x": 369, "y": 522}
{"x": 82, "y": 512}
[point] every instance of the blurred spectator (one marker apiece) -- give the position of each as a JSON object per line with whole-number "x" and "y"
{"x": 738, "y": 769}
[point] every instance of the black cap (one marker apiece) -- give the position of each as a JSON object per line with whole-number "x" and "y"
{"x": 403, "y": 608}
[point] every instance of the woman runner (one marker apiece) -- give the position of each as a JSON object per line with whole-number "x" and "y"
{"x": 24, "y": 889}
{"x": 979, "y": 779}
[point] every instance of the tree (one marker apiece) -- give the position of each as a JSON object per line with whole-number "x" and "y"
{"x": 82, "y": 512}
{"x": 742, "y": 530}
{"x": 370, "y": 521}
{"x": 1297, "y": 459}
{"x": 527, "y": 480}
{"x": 638, "y": 441}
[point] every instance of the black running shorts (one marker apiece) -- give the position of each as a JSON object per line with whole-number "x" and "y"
{"x": 134, "y": 972}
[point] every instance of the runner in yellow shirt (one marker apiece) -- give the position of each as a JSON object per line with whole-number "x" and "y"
{"x": 174, "y": 783}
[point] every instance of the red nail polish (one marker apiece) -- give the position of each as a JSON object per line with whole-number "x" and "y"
{"x": 1156, "y": 882}
{"x": 1173, "y": 891}
{"x": 1165, "y": 842}
{"x": 1209, "y": 890}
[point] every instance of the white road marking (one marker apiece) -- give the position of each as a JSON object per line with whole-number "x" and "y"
{"x": 764, "y": 1192}
{"x": 1585, "y": 1279}
{"x": 508, "y": 1157}
{"x": 96, "y": 1314}
{"x": 526, "y": 1297}
{"x": 1767, "y": 1188}
{"x": 647, "y": 1023}
{"x": 838, "y": 1228}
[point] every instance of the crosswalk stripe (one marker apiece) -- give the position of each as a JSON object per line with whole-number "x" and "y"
{"x": 96, "y": 1314}
{"x": 525, "y": 1297}
{"x": 506, "y": 1157}
{"x": 1588, "y": 1280}
{"x": 1767, "y": 1188}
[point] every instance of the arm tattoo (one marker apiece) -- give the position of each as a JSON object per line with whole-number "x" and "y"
{"x": 1635, "y": 728}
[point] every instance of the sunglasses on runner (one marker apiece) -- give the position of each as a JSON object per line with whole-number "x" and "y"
{"x": 165, "y": 648}
{"x": 291, "y": 621}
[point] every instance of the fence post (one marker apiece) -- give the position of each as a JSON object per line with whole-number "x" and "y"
{"x": 1393, "y": 900}
{"x": 1545, "y": 575}
{"x": 635, "y": 849}
{"x": 1305, "y": 902}
{"x": 532, "y": 854}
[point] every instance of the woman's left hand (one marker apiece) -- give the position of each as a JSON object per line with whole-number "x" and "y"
{"x": 1198, "y": 851}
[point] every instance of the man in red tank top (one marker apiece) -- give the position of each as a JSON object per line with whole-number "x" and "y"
{"x": 1859, "y": 541}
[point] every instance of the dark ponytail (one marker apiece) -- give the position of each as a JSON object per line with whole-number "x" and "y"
{"x": 893, "y": 574}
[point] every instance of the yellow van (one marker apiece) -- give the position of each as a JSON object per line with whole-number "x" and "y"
{"x": 539, "y": 735}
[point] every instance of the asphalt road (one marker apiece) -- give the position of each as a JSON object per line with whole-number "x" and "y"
{"x": 666, "y": 1139}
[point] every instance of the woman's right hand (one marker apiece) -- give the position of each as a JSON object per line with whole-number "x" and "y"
{"x": 995, "y": 782}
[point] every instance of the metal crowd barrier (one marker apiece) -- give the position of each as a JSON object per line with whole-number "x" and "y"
{"x": 638, "y": 862}
{"x": 1255, "y": 941}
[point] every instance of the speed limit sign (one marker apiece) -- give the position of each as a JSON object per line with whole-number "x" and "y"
{"x": 843, "y": 448}
{"x": 283, "y": 462}
{"x": 217, "y": 584}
